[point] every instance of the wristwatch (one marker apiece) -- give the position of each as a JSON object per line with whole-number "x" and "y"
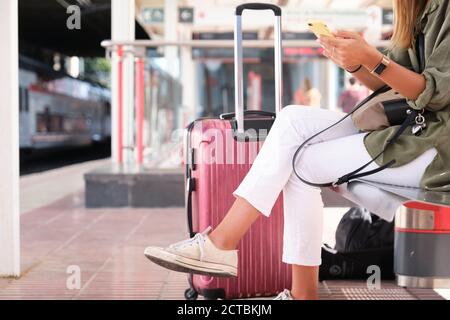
{"x": 378, "y": 70}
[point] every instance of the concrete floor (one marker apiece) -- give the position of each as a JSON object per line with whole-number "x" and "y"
{"x": 40, "y": 189}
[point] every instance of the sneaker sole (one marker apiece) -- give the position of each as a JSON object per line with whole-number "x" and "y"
{"x": 186, "y": 265}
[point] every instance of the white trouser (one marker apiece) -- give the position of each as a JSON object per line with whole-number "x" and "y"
{"x": 333, "y": 154}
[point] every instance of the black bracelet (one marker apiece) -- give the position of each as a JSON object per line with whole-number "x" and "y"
{"x": 356, "y": 70}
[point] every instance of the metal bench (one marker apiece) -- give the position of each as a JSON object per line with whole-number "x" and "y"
{"x": 422, "y": 230}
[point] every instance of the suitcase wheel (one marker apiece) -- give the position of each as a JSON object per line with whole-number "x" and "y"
{"x": 190, "y": 294}
{"x": 213, "y": 294}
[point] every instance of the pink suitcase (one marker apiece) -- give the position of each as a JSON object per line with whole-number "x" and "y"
{"x": 217, "y": 159}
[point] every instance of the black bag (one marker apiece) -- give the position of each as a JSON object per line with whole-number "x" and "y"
{"x": 361, "y": 230}
{"x": 362, "y": 240}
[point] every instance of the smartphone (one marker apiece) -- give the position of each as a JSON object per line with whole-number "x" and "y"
{"x": 319, "y": 28}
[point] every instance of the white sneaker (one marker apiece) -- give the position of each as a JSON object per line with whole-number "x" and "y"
{"x": 197, "y": 255}
{"x": 285, "y": 295}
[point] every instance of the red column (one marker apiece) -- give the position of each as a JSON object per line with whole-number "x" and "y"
{"x": 140, "y": 87}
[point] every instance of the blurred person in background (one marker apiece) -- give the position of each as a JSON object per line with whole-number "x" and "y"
{"x": 307, "y": 95}
{"x": 350, "y": 97}
{"x": 299, "y": 97}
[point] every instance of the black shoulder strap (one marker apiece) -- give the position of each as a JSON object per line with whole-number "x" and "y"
{"x": 420, "y": 50}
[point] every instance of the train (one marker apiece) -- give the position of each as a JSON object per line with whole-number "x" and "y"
{"x": 57, "y": 110}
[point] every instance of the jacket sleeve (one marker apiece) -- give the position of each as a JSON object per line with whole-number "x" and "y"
{"x": 400, "y": 56}
{"x": 436, "y": 95}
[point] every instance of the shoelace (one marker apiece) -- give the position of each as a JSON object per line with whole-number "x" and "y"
{"x": 285, "y": 295}
{"x": 199, "y": 239}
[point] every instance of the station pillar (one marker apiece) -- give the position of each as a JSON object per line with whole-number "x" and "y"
{"x": 332, "y": 77}
{"x": 189, "y": 81}
{"x": 171, "y": 34}
{"x": 122, "y": 99}
{"x": 9, "y": 141}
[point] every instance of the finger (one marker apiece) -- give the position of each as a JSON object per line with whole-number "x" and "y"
{"x": 328, "y": 55}
{"x": 347, "y": 34}
{"x": 329, "y": 41}
{"x": 326, "y": 48}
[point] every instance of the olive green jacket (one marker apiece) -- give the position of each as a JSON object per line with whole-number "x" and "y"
{"x": 435, "y": 24}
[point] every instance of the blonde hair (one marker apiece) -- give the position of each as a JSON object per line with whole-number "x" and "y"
{"x": 406, "y": 14}
{"x": 307, "y": 85}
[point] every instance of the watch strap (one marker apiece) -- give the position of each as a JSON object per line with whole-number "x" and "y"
{"x": 384, "y": 63}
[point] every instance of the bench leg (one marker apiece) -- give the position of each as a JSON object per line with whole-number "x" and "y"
{"x": 422, "y": 246}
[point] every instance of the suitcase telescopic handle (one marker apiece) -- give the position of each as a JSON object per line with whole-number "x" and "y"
{"x": 238, "y": 60}
{"x": 258, "y": 6}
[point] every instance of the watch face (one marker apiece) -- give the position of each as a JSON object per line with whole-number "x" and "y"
{"x": 379, "y": 70}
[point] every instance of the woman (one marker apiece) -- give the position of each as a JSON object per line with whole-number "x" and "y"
{"x": 422, "y": 161}
{"x": 308, "y": 95}
{"x": 350, "y": 97}
{"x": 312, "y": 95}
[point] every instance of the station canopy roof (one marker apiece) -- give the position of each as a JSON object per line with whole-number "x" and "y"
{"x": 331, "y": 4}
{"x": 215, "y": 15}
{"x": 42, "y": 23}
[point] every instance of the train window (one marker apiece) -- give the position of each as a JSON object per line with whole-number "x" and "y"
{"x": 20, "y": 99}
{"x": 23, "y": 99}
{"x": 56, "y": 124}
{"x": 41, "y": 123}
{"x": 47, "y": 122}
{"x": 26, "y": 100}
{"x": 107, "y": 108}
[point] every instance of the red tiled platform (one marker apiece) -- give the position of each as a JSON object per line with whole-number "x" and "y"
{"x": 108, "y": 244}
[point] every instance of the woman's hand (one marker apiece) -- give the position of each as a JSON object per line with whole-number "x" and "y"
{"x": 349, "y": 50}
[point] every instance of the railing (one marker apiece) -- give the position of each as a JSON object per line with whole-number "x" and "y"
{"x": 109, "y": 44}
